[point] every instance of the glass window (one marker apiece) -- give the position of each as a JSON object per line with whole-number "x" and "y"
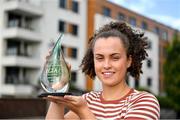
{"x": 75, "y": 6}
{"x": 106, "y": 11}
{"x": 13, "y": 47}
{"x": 136, "y": 83}
{"x": 144, "y": 25}
{"x": 164, "y": 35}
{"x": 132, "y": 21}
{"x": 62, "y": 3}
{"x": 75, "y": 30}
{"x": 12, "y": 75}
{"x": 121, "y": 17}
{"x": 149, "y": 81}
{"x": 156, "y": 30}
{"x": 74, "y": 53}
{"x": 149, "y": 63}
{"x": 62, "y": 26}
{"x": 73, "y": 76}
{"x": 14, "y": 20}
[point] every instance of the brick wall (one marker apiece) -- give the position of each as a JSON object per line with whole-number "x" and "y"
{"x": 22, "y": 108}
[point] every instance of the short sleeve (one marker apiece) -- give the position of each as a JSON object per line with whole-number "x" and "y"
{"x": 143, "y": 107}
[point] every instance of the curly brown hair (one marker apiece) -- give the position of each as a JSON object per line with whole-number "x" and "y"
{"x": 133, "y": 40}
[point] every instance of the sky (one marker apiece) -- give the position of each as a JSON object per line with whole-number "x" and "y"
{"x": 164, "y": 11}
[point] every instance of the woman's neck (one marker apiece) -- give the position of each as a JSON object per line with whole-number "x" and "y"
{"x": 115, "y": 92}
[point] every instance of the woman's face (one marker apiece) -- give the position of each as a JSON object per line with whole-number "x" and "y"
{"x": 110, "y": 60}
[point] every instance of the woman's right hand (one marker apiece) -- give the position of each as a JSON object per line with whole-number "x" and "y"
{"x": 76, "y": 104}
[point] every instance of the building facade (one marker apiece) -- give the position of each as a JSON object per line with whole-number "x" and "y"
{"x": 159, "y": 36}
{"x": 29, "y": 28}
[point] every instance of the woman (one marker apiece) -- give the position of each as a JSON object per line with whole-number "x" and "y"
{"x": 115, "y": 50}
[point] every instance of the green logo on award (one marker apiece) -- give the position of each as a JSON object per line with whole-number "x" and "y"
{"x": 54, "y": 71}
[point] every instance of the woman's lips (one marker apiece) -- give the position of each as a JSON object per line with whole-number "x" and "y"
{"x": 108, "y": 74}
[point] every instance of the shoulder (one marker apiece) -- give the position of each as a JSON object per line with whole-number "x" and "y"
{"x": 143, "y": 105}
{"x": 91, "y": 95}
{"x": 145, "y": 97}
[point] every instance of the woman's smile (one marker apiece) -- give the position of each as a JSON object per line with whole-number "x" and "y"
{"x": 108, "y": 74}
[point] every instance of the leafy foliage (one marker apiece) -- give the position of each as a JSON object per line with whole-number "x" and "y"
{"x": 172, "y": 72}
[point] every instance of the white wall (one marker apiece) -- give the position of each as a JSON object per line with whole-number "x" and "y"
{"x": 52, "y": 14}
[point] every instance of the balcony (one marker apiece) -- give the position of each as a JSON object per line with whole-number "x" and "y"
{"x": 21, "y": 61}
{"x": 21, "y": 33}
{"x": 22, "y": 7}
{"x": 19, "y": 90}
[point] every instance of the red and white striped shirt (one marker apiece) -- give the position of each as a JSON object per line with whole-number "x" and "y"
{"x": 134, "y": 105}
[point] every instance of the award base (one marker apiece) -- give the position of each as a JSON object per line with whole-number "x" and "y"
{"x": 54, "y": 94}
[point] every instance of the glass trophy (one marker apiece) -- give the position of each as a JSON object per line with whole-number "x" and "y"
{"x": 55, "y": 76}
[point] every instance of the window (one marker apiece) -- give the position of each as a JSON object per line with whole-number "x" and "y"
{"x": 13, "y": 47}
{"x": 132, "y": 21}
{"x": 75, "y": 6}
{"x": 74, "y": 30}
{"x": 12, "y": 75}
{"x": 106, "y": 11}
{"x": 149, "y": 81}
{"x": 144, "y": 25}
{"x": 73, "y": 76}
{"x": 14, "y": 20}
{"x": 164, "y": 35}
{"x": 62, "y": 3}
{"x": 136, "y": 83}
{"x": 121, "y": 17}
{"x": 28, "y": 23}
{"x": 62, "y": 26}
{"x": 156, "y": 30}
{"x": 149, "y": 63}
{"x": 74, "y": 53}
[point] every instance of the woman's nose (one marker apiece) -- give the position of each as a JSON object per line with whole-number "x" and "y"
{"x": 107, "y": 64}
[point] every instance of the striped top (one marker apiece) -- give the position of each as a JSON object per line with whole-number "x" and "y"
{"x": 134, "y": 105}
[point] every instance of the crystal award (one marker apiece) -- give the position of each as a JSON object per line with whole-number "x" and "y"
{"x": 55, "y": 76}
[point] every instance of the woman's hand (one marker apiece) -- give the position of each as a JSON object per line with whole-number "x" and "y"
{"x": 74, "y": 103}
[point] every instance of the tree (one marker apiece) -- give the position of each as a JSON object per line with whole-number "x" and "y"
{"x": 172, "y": 73}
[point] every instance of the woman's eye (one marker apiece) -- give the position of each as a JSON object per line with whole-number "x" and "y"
{"x": 99, "y": 58}
{"x": 115, "y": 58}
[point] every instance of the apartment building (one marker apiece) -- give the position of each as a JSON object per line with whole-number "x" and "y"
{"x": 20, "y": 40}
{"x": 29, "y": 28}
{"x": 100, "y": 11}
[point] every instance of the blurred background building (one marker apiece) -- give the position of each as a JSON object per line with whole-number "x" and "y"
{"x": 28, "y": 29}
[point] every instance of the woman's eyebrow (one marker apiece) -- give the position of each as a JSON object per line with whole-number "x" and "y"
{"x": 98, "y": 54}
{"x": 113, "y": 54}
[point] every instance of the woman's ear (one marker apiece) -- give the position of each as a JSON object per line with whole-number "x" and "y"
{"x": 129, "y": 61}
